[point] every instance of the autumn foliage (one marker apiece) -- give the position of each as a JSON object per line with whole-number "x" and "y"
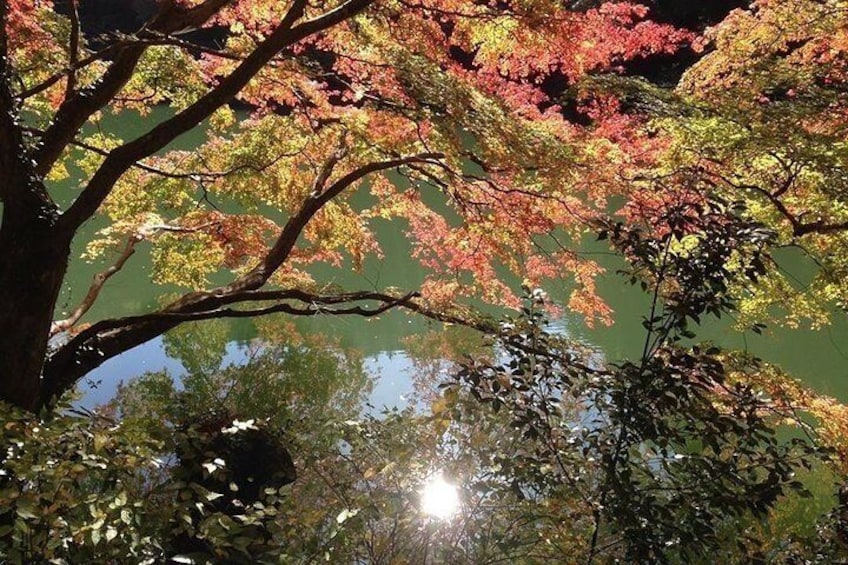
{"x": 301, "y": 106}
{"x": 499, "y": 134}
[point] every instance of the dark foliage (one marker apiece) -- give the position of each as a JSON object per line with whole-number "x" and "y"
{"x": 667, "y": 449}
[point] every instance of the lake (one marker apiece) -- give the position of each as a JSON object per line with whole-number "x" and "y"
{"x": 818, "y": 358}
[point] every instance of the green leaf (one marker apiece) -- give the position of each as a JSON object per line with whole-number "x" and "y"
{"x": 27, "y": 509}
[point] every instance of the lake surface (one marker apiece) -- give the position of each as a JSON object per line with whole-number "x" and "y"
{"x": 818, "y": 358}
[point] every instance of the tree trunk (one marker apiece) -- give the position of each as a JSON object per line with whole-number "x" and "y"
{"x": 33, "y": 261}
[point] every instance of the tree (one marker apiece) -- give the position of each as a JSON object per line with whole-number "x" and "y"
{"x": 668, "y": 457}
{"x": 761, "y": 119}
{"x": 342, "y": 94}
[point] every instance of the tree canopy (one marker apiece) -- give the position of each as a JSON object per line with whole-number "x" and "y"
{"x": 500, "y": 135}
{"x": 448, "y": 96}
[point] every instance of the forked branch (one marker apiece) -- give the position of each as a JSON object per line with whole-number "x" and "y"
{"x": 108, "y": 338}
{"x": 75, "y": 111}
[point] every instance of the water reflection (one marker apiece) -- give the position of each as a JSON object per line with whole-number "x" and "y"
{"x": 395, "y": 344}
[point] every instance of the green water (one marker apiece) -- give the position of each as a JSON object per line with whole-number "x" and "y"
{"x": 819, "y": 358}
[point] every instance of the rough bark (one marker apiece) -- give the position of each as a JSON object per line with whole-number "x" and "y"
{"x": 32, "y": 266}
{"x": 33, "y": 255}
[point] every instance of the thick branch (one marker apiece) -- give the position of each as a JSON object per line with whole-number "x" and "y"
{"x": 106, "y": 339}
{"x": 122, "y": 158}
{"x": 100, "y": 279}
{"x": 316, "y": 304}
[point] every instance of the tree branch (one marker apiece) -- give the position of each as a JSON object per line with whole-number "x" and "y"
{"x": 73, "y": 51}
{"x": 95, "y": 288}
{"x": 799, "y": 227}
{"x": 146, "y": 38}
{"x": 100, "y": 279}
{"x": 295, "y": 225}
{"x": 81, "y": 64}
{"x": 188, "y": 175}
{"x": 76, "y": 111}
{"x": 108, "y": 338}
{"x": 122, "y": 158}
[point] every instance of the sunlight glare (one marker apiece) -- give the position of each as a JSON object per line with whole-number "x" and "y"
{"x": 439, "y": 498}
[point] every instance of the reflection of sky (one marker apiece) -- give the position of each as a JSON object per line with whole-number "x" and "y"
{"x": 392, "y": 372}
{"x": 100, "y": 385}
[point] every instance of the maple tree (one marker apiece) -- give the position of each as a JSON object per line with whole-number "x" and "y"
{"x": 443, "y": 113}
{"x": 446, "y": 95}
{"x": 760, "y": 119}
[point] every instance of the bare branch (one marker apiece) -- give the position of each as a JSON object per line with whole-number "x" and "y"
{"x": 100, "y": 279}
{"x": 95, "y": 288}
{"x": 327, "y": 168}
{"x": 73, "y": 51}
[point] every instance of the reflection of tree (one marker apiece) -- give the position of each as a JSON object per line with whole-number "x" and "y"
{"x": 356, "y": 495}
{"x": 200, "y": 347}
{"x": 360, "y": 503}
{"x": 230, "y": 434}
{"x": 291, "y": 386}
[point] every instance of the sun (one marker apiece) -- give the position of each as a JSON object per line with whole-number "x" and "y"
{"x": 439, "y": 498}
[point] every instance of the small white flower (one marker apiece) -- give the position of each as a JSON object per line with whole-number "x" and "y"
{"x": 214, "y": 465}
{"x": 239, "y": 426}
{"x": 539, "y": 295}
